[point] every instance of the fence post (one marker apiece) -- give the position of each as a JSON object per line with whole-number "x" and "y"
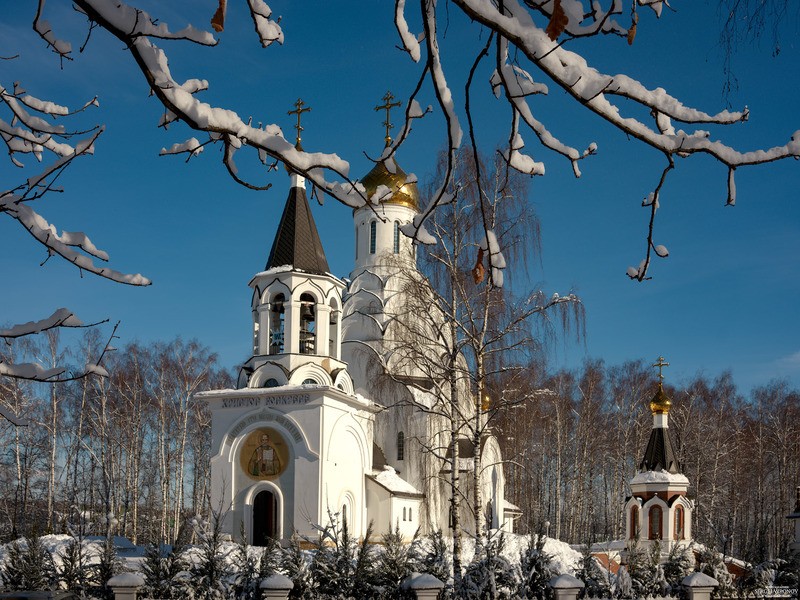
{"x": 699, "y": 586}
{"x": 276, "y": 587}
{"x": 566, "y": 587}
{"x": 424, "y": 585}
{"x": 125, "y": 585}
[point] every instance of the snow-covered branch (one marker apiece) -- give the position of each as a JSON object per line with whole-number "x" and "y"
{"x": 540, "y": 35}
{"x": 570, "y": 71}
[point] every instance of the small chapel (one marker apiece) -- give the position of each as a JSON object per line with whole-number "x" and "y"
{"x": 330, "y": 419}
{"x": 658, "y": 510}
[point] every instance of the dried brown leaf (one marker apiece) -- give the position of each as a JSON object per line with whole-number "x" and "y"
{"x": 218, "y": 20}
{"x": 479, "y": 272}
{"x": 632, "y": 33}
{"x": 558, "y": 22}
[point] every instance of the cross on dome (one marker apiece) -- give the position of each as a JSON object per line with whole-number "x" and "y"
{"x": 661, "y": 364}
{"x": 388, "y": 106}
{"x": 299, "y": 110}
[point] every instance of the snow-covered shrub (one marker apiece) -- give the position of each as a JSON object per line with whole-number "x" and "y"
{"x": 28, "y": 566}
{"x": 435, "y": 558}
{"x": 710, "y": 562}
{"x": 622, "y": 586}
{"x": 788, "y": 574}
{"x": 270, "y": 559}
{"x": 396, "y": 561}
{"x": 246, "y": 564}
{"x": 594, "y": 577}
{"x": 679, "y": 564}
{"x": 210, "y": 573}
{"x": 490, "y": 575}
{"x": 646, "y": 574}
{"x": 535, "y": 571}
{"x": 74, "y": 572}
{"x": 295, "y": 565}
{"x": 342, "y": 567}
{"x": 165, "y": 572}
{"x": 107, "y": 566}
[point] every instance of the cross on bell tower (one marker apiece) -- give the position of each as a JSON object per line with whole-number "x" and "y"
{"x": 299, "y": 109}
{"x": 388, "y": 106}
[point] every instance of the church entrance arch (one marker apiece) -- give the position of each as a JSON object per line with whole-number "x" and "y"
{"x": 265, "y": 517}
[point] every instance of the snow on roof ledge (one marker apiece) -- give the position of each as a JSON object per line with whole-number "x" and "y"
{"x": 286, "y": 269}
{"x": 660, "y": 477}
{"x": 389, "y": 479}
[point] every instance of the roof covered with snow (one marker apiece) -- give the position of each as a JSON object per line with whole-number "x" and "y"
{"x": 389, "y": 479}
{"x": 660, "y": 476}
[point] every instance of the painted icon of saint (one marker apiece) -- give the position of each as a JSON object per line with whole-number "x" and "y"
{"x": 264, "y": 460}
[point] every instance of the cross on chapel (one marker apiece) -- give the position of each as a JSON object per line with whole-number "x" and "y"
{"x": 660, "y": 364}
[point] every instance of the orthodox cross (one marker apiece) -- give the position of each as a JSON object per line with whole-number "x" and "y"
{"x": 661, "y": 364}
{"x": 387, "y": 107}
{"x": 299, "y": 110}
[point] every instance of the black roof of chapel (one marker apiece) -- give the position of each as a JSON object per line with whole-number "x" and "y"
{"x": 660, "y": 454}
{"x": 297, "y": 241}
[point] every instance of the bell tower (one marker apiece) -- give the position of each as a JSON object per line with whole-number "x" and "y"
{"x": 296, "y": 302}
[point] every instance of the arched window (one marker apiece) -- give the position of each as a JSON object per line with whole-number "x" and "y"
{"x": 344, "y": 513}
{"x": 373, "y": 231}
{"x": 679, "y": 533}
{"x": 276, "y": 324}
{"x": 634, "y": 529}
{"x": 404, "y": 513}
{"x": 401, "y": 445}
{"x": 310, "y": 381}
{"x": 271, "y": 382}
{"x": 358, "y": 229}
{"x": 308, "y": 319}
{"x": 409, "y": 515}
{"x": 655, "y": 523}
{"x": 396, "y": 237}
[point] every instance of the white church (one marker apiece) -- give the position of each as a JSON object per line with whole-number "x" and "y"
{"x": 333, "y": 415}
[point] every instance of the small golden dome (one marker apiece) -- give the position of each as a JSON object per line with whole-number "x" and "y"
{"x": 405, "y": 194}
{"x": 660, "y": 404}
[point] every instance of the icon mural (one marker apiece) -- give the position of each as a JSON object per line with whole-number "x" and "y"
{"x": 264, "y": 454}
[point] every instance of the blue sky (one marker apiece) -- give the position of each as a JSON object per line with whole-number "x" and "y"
{"x": 726, "y": 298}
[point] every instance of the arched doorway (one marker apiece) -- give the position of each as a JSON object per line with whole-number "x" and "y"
{"x": 265, "y": 517}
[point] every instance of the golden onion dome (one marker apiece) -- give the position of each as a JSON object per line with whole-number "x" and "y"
{"x": 660, "y": 404}
{"x": 405, "y": 194}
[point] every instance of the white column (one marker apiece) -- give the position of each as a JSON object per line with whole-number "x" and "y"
{"x": 263, "y": 329}
{"x": 291, "y": 328}
{"x": 323, "y": 329}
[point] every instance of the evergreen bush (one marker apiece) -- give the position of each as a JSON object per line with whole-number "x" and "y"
{"x": 594, "y": 577}
{"x": 246, "y": 581}
{"x": 342, "y": 567}
{"x": 490, "y": 575}
{"x": 74, "y": 574}
{"x": 210, "y": 573}
{"x": 294, "y": 564}
{"x": 535, "y": 571}
{"x": 29, "y": 566}
{"x": 165, "y": 572}
{"x": 396, "y": 561}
